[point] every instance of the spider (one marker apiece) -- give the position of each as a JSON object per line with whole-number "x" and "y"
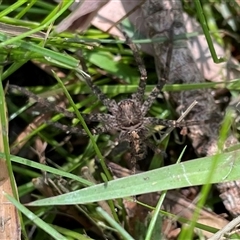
{"x": 128, "y": 116}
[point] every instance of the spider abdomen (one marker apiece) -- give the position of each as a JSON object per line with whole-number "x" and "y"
{"x": 137, "y": 145}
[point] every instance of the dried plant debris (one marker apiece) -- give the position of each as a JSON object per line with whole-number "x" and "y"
{"x": 184, "y": 70}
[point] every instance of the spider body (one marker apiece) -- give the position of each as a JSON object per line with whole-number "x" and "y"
{"x": 129, "y": 115}
{"x": 130, "y": 121}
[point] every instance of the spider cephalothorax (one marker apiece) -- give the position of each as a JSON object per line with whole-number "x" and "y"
{"x": 129, "y": 115}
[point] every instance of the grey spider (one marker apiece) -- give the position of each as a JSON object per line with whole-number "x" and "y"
{"x": 128, "y": 117}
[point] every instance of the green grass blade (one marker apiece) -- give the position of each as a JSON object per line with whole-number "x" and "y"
{"x": 12, "y": 8}
{"x": 25, "y": 10}
{"x": 206, "y": 32}
{"x": 85, "y": 128}
{"x": 46, "y": 168}
{"x": 190, "y": 173}
{"x": 224, "y": 131}
{"x": 158, "y": 207}
{"x": 62, "y": 8}
{"x": 35, "y": 219}
{"x": 52, "y": 56}
{"x": 115, "y": 225}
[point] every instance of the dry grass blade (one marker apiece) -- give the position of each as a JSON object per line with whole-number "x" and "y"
{"x": 9, "y": 220}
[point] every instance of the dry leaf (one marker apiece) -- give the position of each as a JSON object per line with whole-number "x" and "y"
{"x": 105, "y": 14}
{"x": 82, "y": 15}
{"x": 9, "y": 220}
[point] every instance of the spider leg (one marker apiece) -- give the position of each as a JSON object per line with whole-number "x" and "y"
{"x": 139, "y": 95}
{"x": 69, "y": 129}
{"x": 43, "y": 102}
{"x": 111, "y": 105}
{"x": 108, "y": 121}
{"x": 78, "y": 131}
{"x": 97, "y": 117}
{"x": 169, "y": 123}
{"x": 161, "y": 81}
{"x": 152, "y": 146}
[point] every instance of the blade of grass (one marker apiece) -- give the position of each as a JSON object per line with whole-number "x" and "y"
{"x": 8, "y": 183}
{"x": 14, "y": 6}
{"x": 159, "y": 205}
{"x": 107, "y": 176}
{"x": 46, "y": 168}
{"x": 72, "y": 235}
{"x": 78, "y": 114}
{"x": 16, "y": 30}
{"x": 25, "y": 10}
{"x": 118, "y": 89}
{"x": 123, "y": 233}
{"x": 136, "y": 41}
{"x": 206, "y": 32}
{"x": 52, "y": 56}
{"x": 206, "y": 188}
{"x": 35, "y": 219}
{"x": 190, "y": 173}
{"x": 62, "y": 7}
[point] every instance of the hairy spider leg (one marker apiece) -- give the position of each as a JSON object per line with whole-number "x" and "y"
{"x": 161, "y": 81}
{"x": 98, "y": 117}
{"x": 66, "y": 128}
{"x": 169, "y": 123}
{"x": 87, "y": 117}
{"x": 111, "y": 105}
{"x": 139, "y": 95}
{"x": 107, "y": 120}
{"x": 78, "y": 131}
{"x": 42, "y": 101}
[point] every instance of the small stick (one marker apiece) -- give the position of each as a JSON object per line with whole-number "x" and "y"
{"x": 169, "y": 130}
